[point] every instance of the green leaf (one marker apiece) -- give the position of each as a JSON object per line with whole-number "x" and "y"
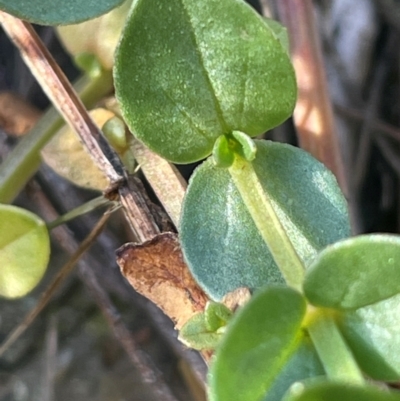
{"x": 187, "y": 72}
{"x": 334, "y": 391}
{"x": 258, "y": 344}
{"x": 223, "y": 153}
{"x": 24, "y": 251}
{"x": 279, "y": 31}
{"x": 248, "y": 147}
{"x": 216, "y": 315}
{"x": 372, "y": 333}
{"x": 303, "y": 364}
{"x": 57, "y": 12}
{"x": 355, "y": 272}
{"x": 220, "y": 241}
{"x": 195, "y": 334}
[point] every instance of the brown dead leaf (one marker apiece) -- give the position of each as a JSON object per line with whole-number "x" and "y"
{"x": 156, "y": 270}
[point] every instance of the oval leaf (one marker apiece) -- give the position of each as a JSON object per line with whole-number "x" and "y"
{"x": 372, "y": 333}
{"x": 187, "y": 72}
{"x": 355, "y": 272}
{"x": 220, "y": 242}
{"x": 339, "y": 391}
{"x": 24, "y": 251}
{"x": 57, "y": 12}
{"x": 258, "y": 343}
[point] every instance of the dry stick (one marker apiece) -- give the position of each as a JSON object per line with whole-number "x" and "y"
{"x": 135, "y": 207}
{"x": 54, "y": 285}
{"x": 140, "y": 360}
{"x": 313, "y": 115}
{"x": 65, "y": 99}
{"x": 50, "y": 368}
{"x": 374, "y": 100}
{"x": 164, "y": 178}
{"x": 56, "y": 86}
{"x": 387, "y": 129}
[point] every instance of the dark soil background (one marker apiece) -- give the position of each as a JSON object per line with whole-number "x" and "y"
{"x": 72, "y": 351}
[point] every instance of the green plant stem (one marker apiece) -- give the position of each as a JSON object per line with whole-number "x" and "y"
{"x": 335, "y": 355}
{"x": 22, "y": 163}
{"x": 79, "y": 211}
{"x": 260, "y": 207}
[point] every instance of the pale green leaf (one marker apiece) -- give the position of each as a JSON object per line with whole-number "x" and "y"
{"x": 24, "y": 251}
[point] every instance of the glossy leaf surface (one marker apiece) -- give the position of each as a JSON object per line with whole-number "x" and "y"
{"x": 338, "y": 391}
{"x": 57, "y": 12}
{"x": 187, "y": 72}
{"x": 24, "y": 251}
{"x": 258, "y": 344}
{"x": 355, "y": 272}
{"x": 373, "y": 335}
{"x": 221, "y": 243}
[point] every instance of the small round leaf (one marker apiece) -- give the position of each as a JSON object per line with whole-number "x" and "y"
{"x": 195, "y": 334}
{"x": 57, "y": 12}
{"x": 222, "y": 153}
{"x": 259, "y": 342}
{"x": 24, "y": 251}
{"x": 355, "y": 272}
{"x": 202, "y": 70}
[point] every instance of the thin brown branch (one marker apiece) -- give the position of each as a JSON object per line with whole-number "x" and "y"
{"x": 54, "y": 285}
{"x": 164, "y": 178}
{"x": 384, "y": 128}
{"x": 313, "y": 115}
{"x": 137, "y": 211}
{"x": 140, "y": 360}
{"x": 374, "y": 100}
{"x": 63, "y": 96}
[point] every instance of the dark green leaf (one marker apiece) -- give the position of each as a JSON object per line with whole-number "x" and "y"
{"x": 339, "y": 392}
{"x": 57, "y": 12}
{"x": 187, "y": 72}
{"x": 222, "y": 245}
{"x": 258, "y": 344}
{"x": 355, "y": 272}
{"x": 373, "y": 335}
{"x": 24, "y": 251}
